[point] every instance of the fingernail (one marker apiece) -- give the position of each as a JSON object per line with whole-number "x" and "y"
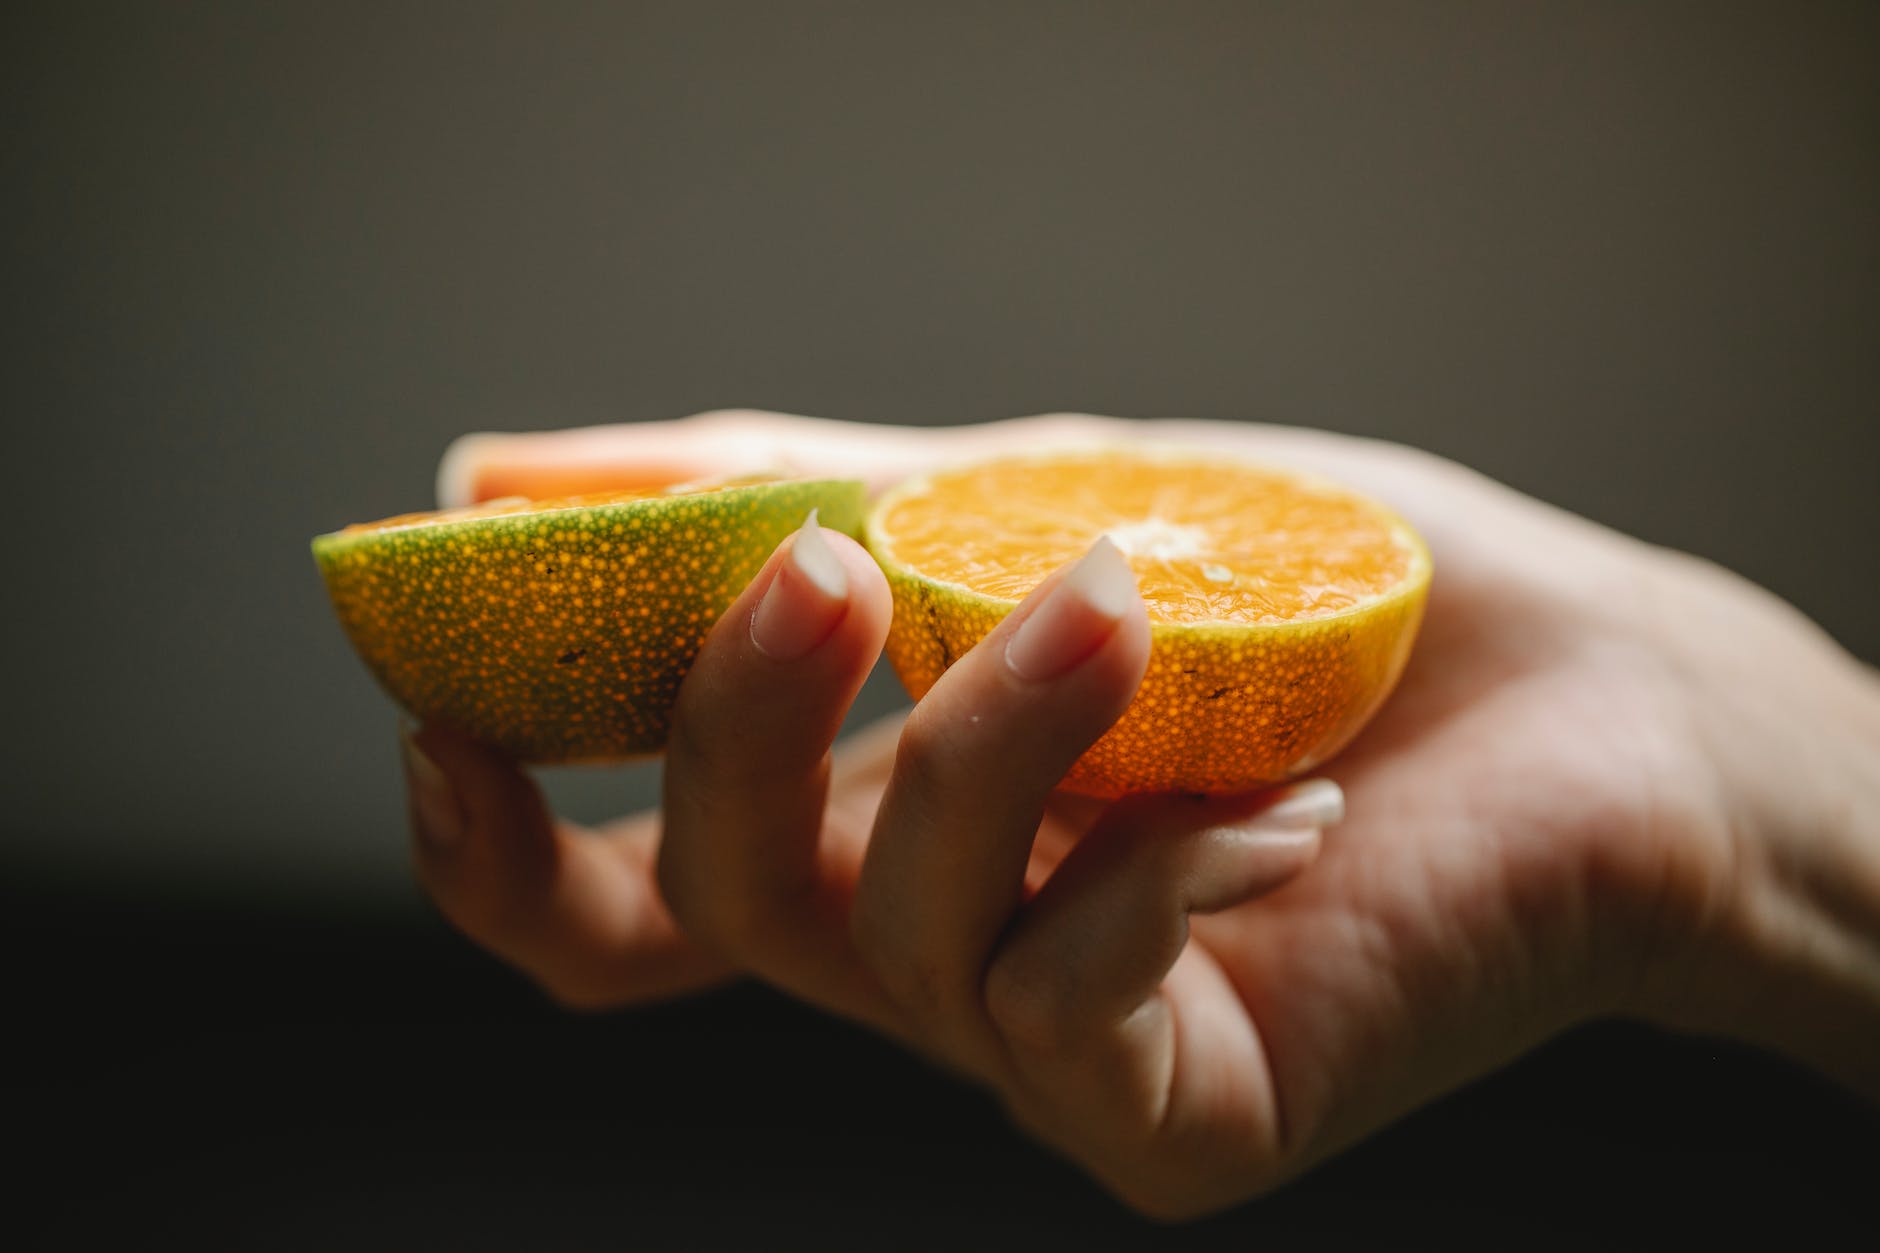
{"x": 1316, "y": 803}
{"x": 805, "y": 599}
{"x": 434, "y": 808}
{"x": 1076, "y": 616}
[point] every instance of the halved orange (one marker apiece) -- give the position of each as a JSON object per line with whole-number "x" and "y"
{"x": 559, "y": 630}
{"x": 1282, "y": 606}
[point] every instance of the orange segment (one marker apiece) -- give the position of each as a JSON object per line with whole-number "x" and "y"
{"x": 1282, "y": 606}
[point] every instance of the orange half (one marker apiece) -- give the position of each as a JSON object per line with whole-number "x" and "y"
{"x": 560, "y": 630}
{"x": 1282, "y": 606}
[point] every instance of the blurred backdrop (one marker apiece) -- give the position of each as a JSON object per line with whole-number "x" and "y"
{"x": 264, "y": 260}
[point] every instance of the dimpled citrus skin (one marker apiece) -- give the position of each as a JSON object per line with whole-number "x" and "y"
{"x": 1225, "y": 706}
{"x": 559, "y": 632}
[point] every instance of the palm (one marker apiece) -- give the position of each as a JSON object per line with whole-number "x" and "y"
{"x": 1513, "y": 829}
{"x": 1508, "y": 816}
{"x": 1504, "y": 784}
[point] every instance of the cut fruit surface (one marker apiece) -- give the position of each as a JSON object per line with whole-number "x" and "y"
{"x": 559, "y": 630}
{"x": 1282, "y": 607}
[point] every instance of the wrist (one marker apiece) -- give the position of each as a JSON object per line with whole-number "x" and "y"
{"x": 1791, "y": 957}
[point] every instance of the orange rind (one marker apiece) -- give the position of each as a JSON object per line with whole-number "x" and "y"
{"x": 559, "y": 630}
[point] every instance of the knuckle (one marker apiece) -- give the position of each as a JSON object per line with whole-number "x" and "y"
{"x": 913, "y": 981}
{"x": 713, "y": 744}
{"x": 746, "y": 925}
{"x": 1026, "y": 1010}
{"x": 697, "y": 731}
{"x": 737, "y": 920}
{"x": 756, "y": 435}
{"x": 915, "y": 985}
{"x": 689, "y": 907}
{"x": 921, "y": 741}
{"x": 865, "y": 932}
{"x": 928, "y": 754}
{"x": 720, "y": 419}
{"x": 1068, "y": 427}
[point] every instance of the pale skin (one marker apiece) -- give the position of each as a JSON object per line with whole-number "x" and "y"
{"x": 1615, "y": 780}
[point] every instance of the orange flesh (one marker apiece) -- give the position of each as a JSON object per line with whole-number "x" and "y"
{"x": 1282, "y": 608}
{"x": 1209, "y": 542}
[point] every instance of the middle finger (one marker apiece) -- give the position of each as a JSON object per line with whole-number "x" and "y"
{"x": 747, "y": 766}
{"x": 978, "y": 759}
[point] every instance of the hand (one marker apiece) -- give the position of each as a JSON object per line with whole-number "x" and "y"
{"x": 1613, "y": 780}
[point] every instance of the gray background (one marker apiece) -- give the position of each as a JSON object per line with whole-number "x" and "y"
{"x": 264, "y": 260}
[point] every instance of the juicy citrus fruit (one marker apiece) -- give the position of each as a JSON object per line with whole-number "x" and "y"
{"x": 558, "y": 630}
{"x": 1282, "y": 607}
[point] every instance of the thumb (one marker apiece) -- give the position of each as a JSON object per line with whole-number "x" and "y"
{"x": 487, "y": 465}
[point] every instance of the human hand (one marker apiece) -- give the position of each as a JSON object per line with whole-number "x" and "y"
{"x": 1588, "y": 796}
